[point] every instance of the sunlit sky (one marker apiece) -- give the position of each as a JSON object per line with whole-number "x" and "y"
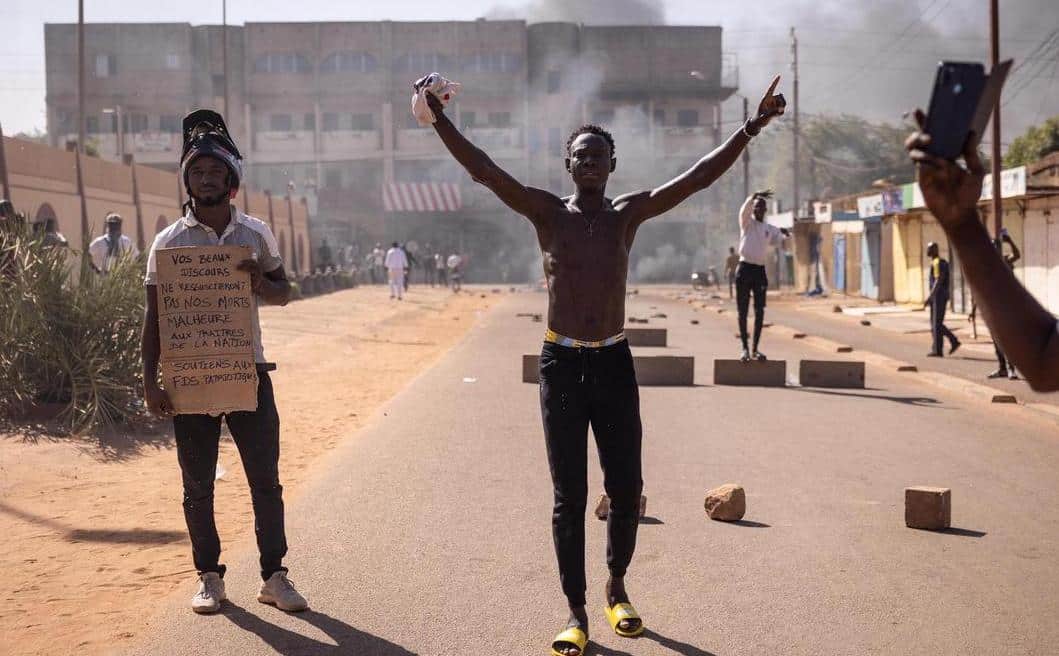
{"x": 876, "y": 61}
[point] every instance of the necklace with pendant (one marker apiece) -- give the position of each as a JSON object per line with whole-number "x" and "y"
{"x": 590, "y": 226}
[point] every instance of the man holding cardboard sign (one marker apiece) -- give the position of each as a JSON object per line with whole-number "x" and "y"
{"x": 205, "y": 274}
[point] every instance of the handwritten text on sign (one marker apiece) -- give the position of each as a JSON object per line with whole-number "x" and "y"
{"x": 205, "y": 327}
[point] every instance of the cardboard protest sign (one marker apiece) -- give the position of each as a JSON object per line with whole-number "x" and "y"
{"x": 205, "y": 327}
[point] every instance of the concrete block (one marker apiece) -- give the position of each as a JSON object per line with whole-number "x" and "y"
{"x": 928, "y": 507}
{"x": 907, "y": 368}
{"x": 664, "y": 370}
{"x": 646, "y": 336}
{"x": 531, "y": 365}
{"x": 651, "y": 370}
{"x": 830, "y": 373}
{"x": 798, "y": 336}
{"x": 767, "y": 373}
{"x": 1004, "y": 398}
{"x": 844, "y": 349}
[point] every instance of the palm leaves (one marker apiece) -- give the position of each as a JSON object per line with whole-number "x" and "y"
{"x": 68, "y": 343}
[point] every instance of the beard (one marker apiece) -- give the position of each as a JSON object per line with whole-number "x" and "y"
{"x": 212, "y": 200}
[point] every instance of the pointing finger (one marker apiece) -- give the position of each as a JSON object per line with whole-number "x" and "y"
{"x": 772, "y": 87}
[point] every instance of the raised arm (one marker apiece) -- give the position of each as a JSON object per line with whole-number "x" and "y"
{"x": 746, "y": 211}
{"x": 647, "y": 204}
{"x": 527, "y": 201}
{"x": 1025, "y": 330}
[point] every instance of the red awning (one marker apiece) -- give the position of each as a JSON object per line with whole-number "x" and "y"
{"x": 421, "y": 197}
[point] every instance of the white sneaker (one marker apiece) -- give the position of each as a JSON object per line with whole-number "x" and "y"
{"x": 279, "y": 591}
{"x": 210, "y": 595}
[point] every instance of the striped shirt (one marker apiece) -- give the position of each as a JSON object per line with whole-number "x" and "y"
{"x": 242, "y": 230}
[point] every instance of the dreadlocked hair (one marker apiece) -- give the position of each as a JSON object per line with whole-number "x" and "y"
{"x": 589, "y": 128}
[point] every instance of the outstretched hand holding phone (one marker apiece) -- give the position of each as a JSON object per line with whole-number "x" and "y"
{"x": 1027, "y": 333}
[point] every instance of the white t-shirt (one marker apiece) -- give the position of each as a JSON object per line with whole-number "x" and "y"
{"x": 755, "y": 236}
{"x": 101, "y": 255}
{"x": 455, "y": 261}
{"x": 396, "y": 260}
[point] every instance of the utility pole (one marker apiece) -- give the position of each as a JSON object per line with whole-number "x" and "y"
{"x": 3, "y": 169}
{"x": 794, "y": 67}
{"x": 746, "y": 152}
{"x": 80, "y": 154}
{"x": 224, "y": 54}
{"x": 994, "y": 37}
{"x": 81, "y": 76}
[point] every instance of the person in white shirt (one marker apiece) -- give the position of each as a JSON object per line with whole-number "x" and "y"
{"x": 107, "y": 250}
{"x": 396, "y": 262}
{"x": 755, "y": 237}
{"x": 455, "y": 275}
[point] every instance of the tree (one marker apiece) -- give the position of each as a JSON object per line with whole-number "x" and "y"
{"x": 838, "y": 155}
{"x": 1037, "y": 142}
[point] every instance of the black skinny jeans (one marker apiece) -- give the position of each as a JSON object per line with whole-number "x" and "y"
{"x": 750, "y": 279}
{"x": 256, "y": 435}
{"x": 581, "y": 387}
{"x": 939, "y": 303}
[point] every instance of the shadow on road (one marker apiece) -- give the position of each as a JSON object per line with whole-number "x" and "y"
{"x": 677, "y": 647}
{"x": 651, "y": 521}
{"x": 749, "y": 524}
{"x": 120, "y": 536}
{"x": 348, "y": 639}
{"x": 919, "y": 401}
{"x": 963, "y": 532}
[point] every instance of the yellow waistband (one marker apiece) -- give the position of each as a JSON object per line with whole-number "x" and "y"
{"x": 555, "y": 338}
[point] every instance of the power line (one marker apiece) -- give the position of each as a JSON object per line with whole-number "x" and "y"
{"x": 921, "y": 20}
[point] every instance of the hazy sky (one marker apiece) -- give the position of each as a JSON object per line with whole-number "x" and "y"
{"x": 875, "y": 60}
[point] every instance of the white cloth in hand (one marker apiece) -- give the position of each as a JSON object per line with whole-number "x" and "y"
{"x": 443, "y": 89}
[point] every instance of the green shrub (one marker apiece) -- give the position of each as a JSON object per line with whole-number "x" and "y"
{"x": 75, "y": 344}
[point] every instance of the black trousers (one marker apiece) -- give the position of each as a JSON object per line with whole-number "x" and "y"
{"x": 938, "y": 305}
{"x": 256, "y": 435}
{"x": 597, "y": 387}
{"x": 750, "y": 279}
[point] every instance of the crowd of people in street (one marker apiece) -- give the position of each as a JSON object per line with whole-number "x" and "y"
{"x": 397, "y": 266}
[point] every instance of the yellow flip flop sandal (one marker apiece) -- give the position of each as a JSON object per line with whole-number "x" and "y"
{"x": 573, "y": 636}
{"x": 619, "y": 612}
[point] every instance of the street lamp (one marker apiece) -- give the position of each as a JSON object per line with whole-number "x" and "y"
{"x": 120, "y": 132}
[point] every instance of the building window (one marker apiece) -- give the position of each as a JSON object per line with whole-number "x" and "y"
{"x": 92, "y": 124}
{"x": 106, "y": 65}
{"x": 349, "y": 62}
{"x": 330, "y": 122}
{"x": 139, "y": 123}
{"x": 363, "y": 122}
{"x": 282, "y": 62}
{"x": 466, "y": 120}
{"x": 333, "y": 179}
{"x": 169, "y": 124}
{"x": 310, "y": 121}
{"x": 500, "y": 119}
{"x": 421, "y": 62}
{"x": 172, "y": 62}
{"x": 687, "y": 118}
{"x": 554, "y": 78}
{"x": 492, "y": 62}
{"x": 660, "y": 117}
{"x": 280, "y": 123}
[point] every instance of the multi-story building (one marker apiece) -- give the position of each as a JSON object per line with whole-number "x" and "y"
{"x": 325, "y": 108}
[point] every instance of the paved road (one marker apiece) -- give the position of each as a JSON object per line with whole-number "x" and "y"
{"x": 428, "y": 532}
